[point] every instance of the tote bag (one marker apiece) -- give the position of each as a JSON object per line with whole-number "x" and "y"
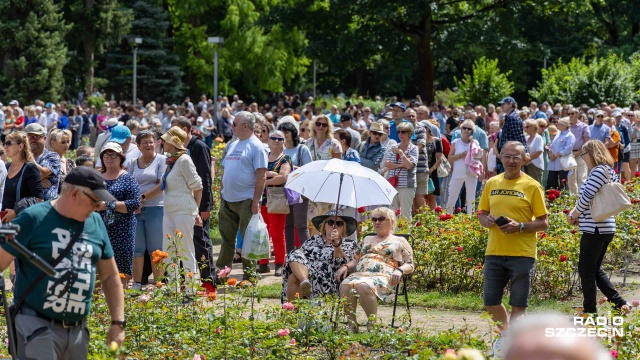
{"x": 444, "y": 168}
{"x": 610, "y": 200}
{"x": 277, "y": 201}
{"x": 568, "y": 162}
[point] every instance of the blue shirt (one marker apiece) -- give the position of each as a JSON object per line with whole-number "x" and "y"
{"x": 335, "y": 119}
{"x": 63, "y": 122}
{"x": 51, "y": 161}
{"x": 28, "y": 120}
{"x": 562, "y": 144}
{"x": 351, "y": 155}
{"x": 513, "y": 131}
{"x": 601, "y": 132}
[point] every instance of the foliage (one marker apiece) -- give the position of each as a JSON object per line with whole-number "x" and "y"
{"x": 33, "y": 50}
{"x": 580, "y": 82}
{"x": 96, "y": 101}
{"x": 486, "y": 84}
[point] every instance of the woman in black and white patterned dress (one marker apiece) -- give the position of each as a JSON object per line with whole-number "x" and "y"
{"x": 310, "y": 270}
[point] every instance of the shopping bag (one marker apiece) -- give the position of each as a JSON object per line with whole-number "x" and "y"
{"x": 255, "y": 244}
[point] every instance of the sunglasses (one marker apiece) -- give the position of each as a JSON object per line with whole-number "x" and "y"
{"x": 378, "y": 219}
{"x": 304, "y": 130}
{"x": 543, "y": 126}
{"x": 467, "y": 128}
{"x": 572, "y": 113}
{"x": 34, "y": 136}
{"x": 320, "y": 124}
{"x": 338, "y": 223}
{"x": 376, "y": 134}
{"x": 405, "y": 132}
{"x": 600, "y": 116}
{"x": 8, "y": 143}
{"x": 276, "y": 139}
{"x": 582, "y": 155}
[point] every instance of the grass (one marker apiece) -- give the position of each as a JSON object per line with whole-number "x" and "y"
{"x": 450, "y": 301}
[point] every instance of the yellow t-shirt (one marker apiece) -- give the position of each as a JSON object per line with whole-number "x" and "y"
{"x": 520, "y": 199}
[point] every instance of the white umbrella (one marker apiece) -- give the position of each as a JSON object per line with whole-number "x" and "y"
{"x": 350, "y": 183}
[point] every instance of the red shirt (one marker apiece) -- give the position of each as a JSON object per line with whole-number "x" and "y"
{"x": 446, "y": 146}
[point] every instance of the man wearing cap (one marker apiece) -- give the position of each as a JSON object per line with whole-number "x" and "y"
{"x": 371, "y": 151}
{"x": 600, "y": 131}
{"x": 535, "y": 112}
{"x": 512, "y": 130}
{"x": 16, "y": 105}
{"x": 346, "y": 121}
{"x": 48, "y": 162}
{"x": 122, "y": 135}
{"x": 52, "y": 117}
{"x": 397, "y": 111}
{"x": 53, "y": 315}
{"x": 201, "y": 157}
{"x": 243, "y": 179}
{"x": 582, "y": 134}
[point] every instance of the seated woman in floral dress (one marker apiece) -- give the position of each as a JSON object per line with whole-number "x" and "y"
{"x": 377, "y": 268}
{"x": 310, "y": 270}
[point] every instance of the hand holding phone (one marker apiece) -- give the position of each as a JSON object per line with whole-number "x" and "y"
{"x": 501, "y": 221}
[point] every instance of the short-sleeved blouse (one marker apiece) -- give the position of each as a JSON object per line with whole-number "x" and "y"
{"x": 325, "y": 151}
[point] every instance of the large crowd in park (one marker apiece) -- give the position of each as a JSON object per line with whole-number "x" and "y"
{"x": 142, "y": 171}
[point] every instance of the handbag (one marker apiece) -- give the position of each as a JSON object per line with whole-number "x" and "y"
{"x": 609, "y": 200}
{"x": 444, "y": 168}
{"x": 568, "y": 162}
{"x": 277, "y": 201}
{"x": 430, "y": 187}
{"x": 393, "y": 180}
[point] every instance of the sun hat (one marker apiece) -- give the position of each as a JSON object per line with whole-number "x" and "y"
{"x": 388, "y": 115}
{"x": 564, "y": 121}
{"x": 113, "y": 146}
{"x": 35, "y": 128}
{"x": 13, "y": 102}
{"x": 176, "y": 137}
{"x": 120, "y": 134}
{"x": 376, "y": 127}
{"x": 90, "y": 178}
{"x": 350, "y": 222}
{"x": 552, "y": 129}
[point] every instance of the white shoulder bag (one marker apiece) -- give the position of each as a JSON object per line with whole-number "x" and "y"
{"x": 611, "y": 199}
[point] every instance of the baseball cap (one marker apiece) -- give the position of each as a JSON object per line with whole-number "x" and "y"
{"x": 120, "y": 134}
{"x": 35, "y": 128}
{"x": 388, "y": 115}
{"x": 48, "y": 105}
{"x": 600, "y": 112}
{"x": 13, "y": 102}
{"x": 113, "y": 146}
{"x": 401, "y": 105}
{"x": 617, "y": 113}
{"x": 507, "y": 100}
{"x": 90, "y": 178}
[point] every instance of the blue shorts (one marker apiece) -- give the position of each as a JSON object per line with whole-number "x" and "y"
{"x": 499, "y": 270}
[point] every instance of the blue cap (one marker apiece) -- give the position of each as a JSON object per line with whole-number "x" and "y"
{"x": 507, "y": 100}
{"x": 48, "y": 105}
{"x": 403, "y": 106}
{"x": 120, "y": 134}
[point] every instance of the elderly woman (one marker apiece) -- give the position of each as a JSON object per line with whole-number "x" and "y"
{"x": 182, "y": 194}
{"x": 560, "y": 146}
{"x": 278, "y": 169}
{"x": 310, "y": 271}
{"x": 460, "y": 173}
{"x": 119, "y": 216}
{"x": 59, "y": 142}
{"x": 147, "y": 170}
{"x": 376, "y": 268}
{"x": 435, "y": 153}
{"x": 401, "y": 163}
{"x": 634, "y": 133}
{"x": 535, "y": 166}
{"x": 321, "y": 143}
{"x": 596, "y": 236}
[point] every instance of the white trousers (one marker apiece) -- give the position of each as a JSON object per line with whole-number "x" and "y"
{"x": 455, "y": 185}
{"x": 404, "y": 201}
{"x": 578, "y": 176}
{"x": 186, "y": 249}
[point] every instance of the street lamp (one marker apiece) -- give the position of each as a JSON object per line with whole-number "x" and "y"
{"x": 136, "y": 41}
{"x": 215, "y": 40}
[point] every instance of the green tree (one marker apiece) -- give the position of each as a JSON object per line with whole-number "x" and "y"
{"x": 97, "y": 26}
{"x": 254, "y": 58}
{"x": 158, "y": 75}
{"x": 486, "y": 84}
{"x": 33, "y": 50}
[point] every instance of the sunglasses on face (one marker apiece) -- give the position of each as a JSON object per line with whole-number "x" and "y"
{"x": 304, "y": 130}
{"x": 276, "y": 139}
{"x": 320, "y": 124}
{"x": 338, "y": 223}
{"x": 572, "y": 113}
{"x": 34, "y": 137}
{"x": 8, "y": 143}
{"x": 111, "y": 155}
{"x": 600, "y": 116}
{"x": 378, "y": 219}
{"x": 375, "y": 134}
{"x": 466, "y": 128}
{"x": 405, "y": 132}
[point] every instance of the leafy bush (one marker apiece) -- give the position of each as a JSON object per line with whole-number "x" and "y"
{"x": 610, "y": 79}
{"x": 486, "y": 84}
{"x": 96, "y": 101}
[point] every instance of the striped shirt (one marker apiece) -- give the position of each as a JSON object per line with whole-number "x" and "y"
{"x": 597, "y": 178}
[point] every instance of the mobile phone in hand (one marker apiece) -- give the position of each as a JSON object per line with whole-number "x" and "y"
{"x": 501, "y": 221}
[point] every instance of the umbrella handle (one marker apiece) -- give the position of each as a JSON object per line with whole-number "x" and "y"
{"x": 339, "y": 191}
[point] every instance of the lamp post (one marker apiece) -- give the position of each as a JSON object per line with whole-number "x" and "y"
{"x": 136, "y": 41}
{"x": 215, "y": 40}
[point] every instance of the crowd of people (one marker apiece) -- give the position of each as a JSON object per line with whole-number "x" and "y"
{"x": 155, "y": 162}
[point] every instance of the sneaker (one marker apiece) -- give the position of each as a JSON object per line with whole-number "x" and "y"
{"x": 497, "y": 347}
{"x": 279, "y": 270}
{"x": 263, "y": 269}
{"x": 305, "y": 288}
{"x": 237, "y": 258}
{"x": 135, "y": 289}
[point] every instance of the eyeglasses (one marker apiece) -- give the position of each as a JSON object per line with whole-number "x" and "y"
{"x": 147, "y": 143}
{"x": 600, "y": 116}
{"x": 405, "y": 132}
{"x": 8, "y": 143}
{"x": 321, "y": 124}
{"x": 506, "y": 158}
{"x": 304, "y": 130}
{"x": 582, "y": 155}
{"x": 572, "y": 113}
{"x": 95, "y": 201}
{"x": 338, "y": 223}
{"x": 34, "y": 136}
{"x": 276, "y": 139}
{"x": 466, "y": 128}
{"x": 378, "y": 219}
{"x": 111, "y": 155}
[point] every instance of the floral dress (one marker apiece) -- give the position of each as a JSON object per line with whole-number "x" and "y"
{"x": 324, "y": 151}
{"x": 318, "y": 257}
{"x": 377, "y": 262}
{"x": 121, "y": 228}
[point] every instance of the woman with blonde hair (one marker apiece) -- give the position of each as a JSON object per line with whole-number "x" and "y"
{"x": 59, "y": 142}
{"x": 596, "y": 236}
{"x": 401, "y": 161}
{"x": 460, "y": 173}
{"x": 23, "y": 177}
{"x": 305, "y": 130}
{"x": 321, "y": 143}
{"x": 378, "y": 266}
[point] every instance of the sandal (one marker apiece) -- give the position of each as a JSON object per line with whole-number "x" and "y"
{"x": 237, "y": 258}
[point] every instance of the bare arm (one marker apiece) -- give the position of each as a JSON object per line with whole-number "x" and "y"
{"x": 281, "y": 178}
{"x": 112, "y": 288}
{"x": 257, "y": 191}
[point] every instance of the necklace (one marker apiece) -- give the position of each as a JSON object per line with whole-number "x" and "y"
{"x": 145, "y": 164}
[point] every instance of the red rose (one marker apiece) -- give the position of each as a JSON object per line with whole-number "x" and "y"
{"x": 563, "y": 258}
{"x": 479, "y": 267}
{"x": 438, "y": 209}
{"x": 542, "y": 253}
{"x": 630, "y": 189}
{"x": 637, "y": 174}
{"x": 444, "y": 217}
{"x": 543, "y": 234}
{"x": 361, "y": 209}
{"x": 551, "y": 197}
{"x": 398, "y": 212}
{"x": 469, "y": 259}
{"x": 458, "y": 209}
{"x": 573, "y": 231}
{"x": 459, "y": 249}
{"x": 564, "y": 181}
{"x": 418, "y": 224}
{"x": 566, "y": 210}
{"x": 622, "y": 181}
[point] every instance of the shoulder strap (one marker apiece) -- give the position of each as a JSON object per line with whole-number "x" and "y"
{"x": 300, "y": 154}
{"x": 53, "y": 264}
{"x": 24, "y": 168}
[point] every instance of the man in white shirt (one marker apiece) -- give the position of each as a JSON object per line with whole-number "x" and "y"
{"x": 52, "y": 117}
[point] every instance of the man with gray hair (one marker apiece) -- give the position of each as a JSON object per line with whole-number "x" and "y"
{"x": 243, "y": 179}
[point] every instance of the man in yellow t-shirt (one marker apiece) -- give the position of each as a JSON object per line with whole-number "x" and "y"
{"x": 516, "y": 201}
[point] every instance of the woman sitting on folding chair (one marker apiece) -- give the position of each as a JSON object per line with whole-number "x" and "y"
{"x": 377, "y": 268}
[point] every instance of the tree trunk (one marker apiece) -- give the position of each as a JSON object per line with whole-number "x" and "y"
{"x": 425, "y": 67}
{"x": 89, "y": 49}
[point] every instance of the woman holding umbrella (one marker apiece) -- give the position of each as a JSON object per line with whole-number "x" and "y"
{"x": 310, "y": 271}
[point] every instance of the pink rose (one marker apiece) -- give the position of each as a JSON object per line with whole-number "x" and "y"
{"x": 292, "y": 342}
{"x": 197, "y": 357}
{"x": 218, "y": 330}
{"x": 614, "y": 353}
{"x": 144, "y": 298}
{"x": 288, "y": 306}
{"x": 283, "y": 332}
{"x": 635, "y": 303}
{"x": 224, "y": 272}
{"x": 459, "y": 249}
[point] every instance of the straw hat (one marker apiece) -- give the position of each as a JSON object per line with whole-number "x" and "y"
{"x": 176, "y": 137}
{"x": 553, "y": 130}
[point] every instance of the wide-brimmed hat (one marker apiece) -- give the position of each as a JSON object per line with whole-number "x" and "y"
{"x": 176, "y": 137}
{"x": 350, "y": 222}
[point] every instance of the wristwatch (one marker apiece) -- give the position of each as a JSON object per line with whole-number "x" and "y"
{"x": 521, "y": 227}
{"x": 144, "y": 197}
{"x": 121, "y": 323}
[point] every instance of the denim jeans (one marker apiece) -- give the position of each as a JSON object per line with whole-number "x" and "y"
{"x": 149, "y": 230}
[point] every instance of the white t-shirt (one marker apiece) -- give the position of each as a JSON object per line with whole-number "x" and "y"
{"x": 537, "y": 144}
{"x": 240, "y": 163}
